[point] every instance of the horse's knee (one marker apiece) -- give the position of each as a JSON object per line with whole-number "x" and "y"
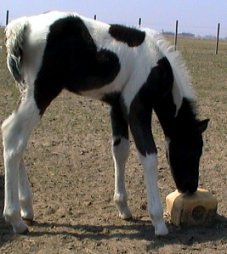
{"x": 6, "y": 126}
{"x": 120, "y": 148}
{"x": 9, "y": 130}
{"x": 14, "y": 135}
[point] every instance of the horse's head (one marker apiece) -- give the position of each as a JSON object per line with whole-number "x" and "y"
{"x": 184, "y": 156}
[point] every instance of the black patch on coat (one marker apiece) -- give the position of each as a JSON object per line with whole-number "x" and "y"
{"x": 113, "y": 99}
{"x": 140, "y": 126}
{"x": 117, "y": 142}
{"x": 118, "y": 117}
{"x": 185, "y": 149}
{"x": 154, "y": 91}
{"x": 183, "y": 130}
{"x": 71, "y": 60}
{"x": 131, "y": 36}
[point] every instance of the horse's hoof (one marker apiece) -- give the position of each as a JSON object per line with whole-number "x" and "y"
{"x": 126, "y": 215}
{"x": 28, "y": 222}
{"x": 24, "y": 232}
{"x": 161, "y": 230}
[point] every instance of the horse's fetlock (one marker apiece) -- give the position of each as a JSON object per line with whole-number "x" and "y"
{"x": 120, "y": 198}
{"x": 11, "y": 215}
{"x": 25, "y": 199}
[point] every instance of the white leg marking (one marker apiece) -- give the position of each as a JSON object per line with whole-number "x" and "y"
{"x": 11, "y": 207}
{"x": 149, "y": 163}
{"x": 25, "y": 194}
{"x": 120, "y": 155}
{"x": 16, "y": 130}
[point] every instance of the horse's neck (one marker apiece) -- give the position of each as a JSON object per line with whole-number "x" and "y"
{"x": 175, "y": 122}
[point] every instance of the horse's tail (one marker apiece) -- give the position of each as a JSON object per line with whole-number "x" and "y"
{"x": 182, "y": 86}
{"x": 16, "y": 32}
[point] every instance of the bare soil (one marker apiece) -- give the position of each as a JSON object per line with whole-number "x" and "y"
{"x": 72, "y": 177}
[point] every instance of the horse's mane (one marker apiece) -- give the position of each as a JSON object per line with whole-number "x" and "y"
{"x": 182, "y": 87}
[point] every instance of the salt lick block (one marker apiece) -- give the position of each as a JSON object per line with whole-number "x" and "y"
{"x": 191, "y": 209}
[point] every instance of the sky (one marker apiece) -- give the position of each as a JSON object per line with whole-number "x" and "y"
{"x": 200, "y": 17}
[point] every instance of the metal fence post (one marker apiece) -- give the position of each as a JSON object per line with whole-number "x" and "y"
{"x": 176, "y": 35}
{"x": 7, "y": 17}
{"x": 217, "y": 44}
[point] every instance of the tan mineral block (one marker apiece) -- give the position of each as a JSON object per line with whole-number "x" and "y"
{"x": 191, "y": 209}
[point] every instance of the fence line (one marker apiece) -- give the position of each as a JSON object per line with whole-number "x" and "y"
{"x": 140, "y": 24}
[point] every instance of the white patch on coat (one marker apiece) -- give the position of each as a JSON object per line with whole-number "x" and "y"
{"x": 149, "y": 163}
{"x": 120, "y": 154}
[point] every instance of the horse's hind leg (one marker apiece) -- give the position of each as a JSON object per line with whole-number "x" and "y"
{"x": 25, "y": 195}
{"x": 16, "y": 130}
{"x": 120, "y": 151}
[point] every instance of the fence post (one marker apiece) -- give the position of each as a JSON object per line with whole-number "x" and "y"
{"x": 217, "y": 44}
{"x": 95, "y": 17}
{"x": 7, "y": 17}
{"x": 176, "y": 35}
{"x": 140, "y": 22}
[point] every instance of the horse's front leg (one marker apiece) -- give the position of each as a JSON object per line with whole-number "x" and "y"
{"x": 149, "y": 163}
{"x": 140, "y": 125}
{"x": 120, "y": 151}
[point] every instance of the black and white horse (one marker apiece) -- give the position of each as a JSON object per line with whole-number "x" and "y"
{"x": 133, "y": 70}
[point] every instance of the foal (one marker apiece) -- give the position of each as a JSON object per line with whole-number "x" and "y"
{"x": 134, "y": 71}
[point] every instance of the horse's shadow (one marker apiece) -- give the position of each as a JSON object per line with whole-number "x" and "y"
{"x": 133, "y": 229}
{"x": 138, "y": 229}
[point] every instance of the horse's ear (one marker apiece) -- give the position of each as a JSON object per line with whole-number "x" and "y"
{"x": 203, "y": 125}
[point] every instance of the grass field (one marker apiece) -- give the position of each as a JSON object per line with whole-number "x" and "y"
{"x": 71, "y": 172}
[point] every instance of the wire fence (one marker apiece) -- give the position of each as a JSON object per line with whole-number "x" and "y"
{"x": 168, "y": 33}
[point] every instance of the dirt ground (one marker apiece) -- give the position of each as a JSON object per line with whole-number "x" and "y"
{"x": 72, "y": 177}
